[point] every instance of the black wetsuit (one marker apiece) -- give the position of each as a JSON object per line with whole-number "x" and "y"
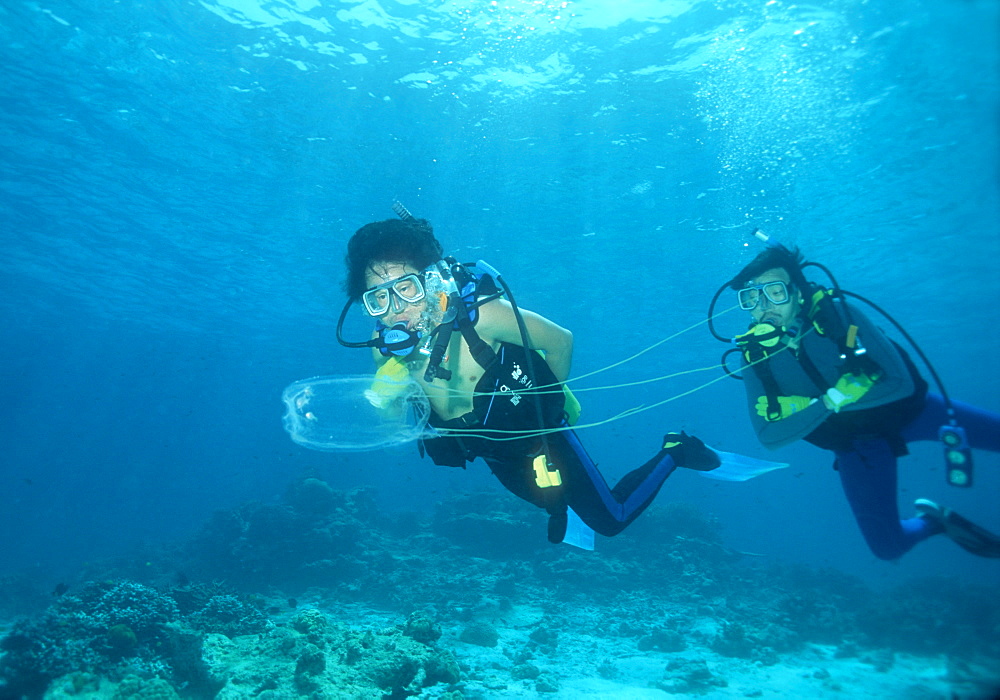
{"x": 504, "y": 402}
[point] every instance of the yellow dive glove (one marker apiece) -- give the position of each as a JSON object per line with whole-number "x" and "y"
{"x": 391, "y": 381}
{"x": 848, "y": 389}
{"x": 788, "y": 405}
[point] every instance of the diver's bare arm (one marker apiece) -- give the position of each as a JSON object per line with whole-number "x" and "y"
{"x": 498, "y": 322}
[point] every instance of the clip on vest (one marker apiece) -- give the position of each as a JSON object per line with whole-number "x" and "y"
{"x": 545, "y": 477}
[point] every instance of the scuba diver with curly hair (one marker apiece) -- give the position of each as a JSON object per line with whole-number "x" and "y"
{"x": 495, "y": 386}
{"x": 816, "y": 369}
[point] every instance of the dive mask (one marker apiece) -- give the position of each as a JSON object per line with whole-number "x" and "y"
{"x": 433, "y": 287}
{"x": 776, "y": 293}
{"x": 436, "y": 284}
{"x": 392, "y": 294}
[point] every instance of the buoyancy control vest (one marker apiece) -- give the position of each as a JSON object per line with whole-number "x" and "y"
{"x": 517, "y": 392}
{"x": 814, "y": 360}
{"x": 504, "y": 401}
{"x": 824, "y": 316}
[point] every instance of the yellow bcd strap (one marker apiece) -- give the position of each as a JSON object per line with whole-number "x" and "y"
{"x": 816, "y": 298}
{"x": 814, "y": 303}
{"x": 852, "y": 336}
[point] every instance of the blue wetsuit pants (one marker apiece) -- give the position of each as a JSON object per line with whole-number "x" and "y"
{"x": 605, "y": 510}
{"x": 868, "y": 475}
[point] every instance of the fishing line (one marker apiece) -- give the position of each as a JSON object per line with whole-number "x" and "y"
{"x": 627, "y": 413}
{"x": 557, "y": 388}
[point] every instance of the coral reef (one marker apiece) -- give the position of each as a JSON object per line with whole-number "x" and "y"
{"x": 432, "y": 599}
{"x": 116, "y": 628}
{"x": 689, "y": 676}
{"x": 481, "y": 634}
{"x": 313, "y": 538}
{"x": 97, "y": 629}
{"x": 230, "y": 616}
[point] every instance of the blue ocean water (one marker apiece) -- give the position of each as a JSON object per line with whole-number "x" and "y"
{"x": 179, "y": 180}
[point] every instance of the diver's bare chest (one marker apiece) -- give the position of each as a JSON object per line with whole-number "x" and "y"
{"x": 452, "y": 398}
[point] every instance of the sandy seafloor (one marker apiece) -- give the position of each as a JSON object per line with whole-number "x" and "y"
{"x": 324, "y": 596}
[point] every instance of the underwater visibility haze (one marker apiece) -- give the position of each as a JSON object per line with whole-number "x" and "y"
{"x": 180, "y": 179}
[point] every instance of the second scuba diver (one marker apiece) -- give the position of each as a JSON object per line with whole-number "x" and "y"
{"x": 495, "y": 387}
{"x": 816, "y": 369}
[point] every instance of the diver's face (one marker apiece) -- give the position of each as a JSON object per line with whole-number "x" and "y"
{"x": 380, "y": 272}
{"x": 778, "y": 315}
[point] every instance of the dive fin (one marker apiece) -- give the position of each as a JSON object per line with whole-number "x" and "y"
{"x": 962, "y": 531}
{"x": 736, "y": 467}
{"x": 578, "y": 533}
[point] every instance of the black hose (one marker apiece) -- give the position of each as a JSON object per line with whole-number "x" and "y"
{"x": 913, "y": 344}
{"x": 711, "y": 313}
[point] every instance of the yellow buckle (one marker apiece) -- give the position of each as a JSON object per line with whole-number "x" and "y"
{"x": 852, "y": 336}
{"x": 544, "y": 476}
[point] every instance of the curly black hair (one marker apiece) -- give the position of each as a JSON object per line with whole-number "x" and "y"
{"x": 788, "y": 259}
{"x": 410, "y": 242}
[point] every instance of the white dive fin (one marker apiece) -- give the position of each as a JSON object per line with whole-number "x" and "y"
{"x": 578, "y": 534}
{"x": 736, "y": 467}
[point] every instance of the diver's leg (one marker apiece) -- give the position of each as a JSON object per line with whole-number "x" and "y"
{"x": 607, "y": 511}
{"x": 513, "y": 469}
{"x": 982, "y": 427}
{"x": 516, "y": 471}
{"x": 868, "y": 476}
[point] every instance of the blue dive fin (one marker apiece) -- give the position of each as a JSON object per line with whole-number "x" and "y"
{"x": 578, "y": 533}
{"x": 736, "y": 467}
